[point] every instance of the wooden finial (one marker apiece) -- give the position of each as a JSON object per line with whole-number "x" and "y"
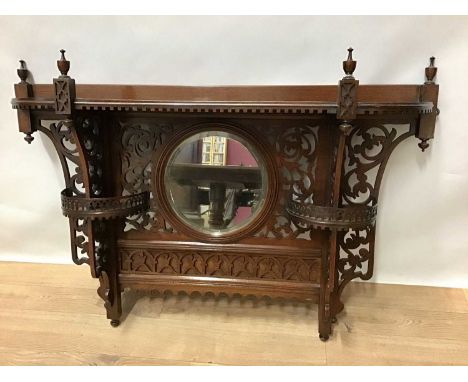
{"x": 22, "y": 71}
{"x": 431, "y": 71}
{"x": 28, "y": 138}
{"x": 63, "y": 64}
{"x": 423, "y": 144}
{"x": 349, "y": 65}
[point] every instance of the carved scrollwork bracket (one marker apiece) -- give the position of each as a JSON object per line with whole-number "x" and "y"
{"x": 76, "y": 159}
{"x": 368, "y": 148}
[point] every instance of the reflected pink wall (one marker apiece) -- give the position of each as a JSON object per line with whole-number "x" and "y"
{"x": 237, "y": 154}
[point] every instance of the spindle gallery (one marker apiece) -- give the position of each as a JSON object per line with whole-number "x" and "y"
{"x": 256, "y": 190}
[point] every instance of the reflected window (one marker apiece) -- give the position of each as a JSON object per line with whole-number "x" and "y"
{"x": 214, "y": 150}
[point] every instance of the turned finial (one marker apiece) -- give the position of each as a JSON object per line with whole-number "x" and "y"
{"x": 29, "y": 138}
{"x": 423, "y": 145}
{"x": 431, "y": 71}
{"x": 22, "y": 71}
{"x": 63, "y": 64}
{"x": 349, "y": 65}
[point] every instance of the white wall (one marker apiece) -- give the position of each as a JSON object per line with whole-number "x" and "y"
{"x": 423, "y": 209}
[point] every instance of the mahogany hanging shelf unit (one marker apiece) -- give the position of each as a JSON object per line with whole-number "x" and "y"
{"x": 257, "y": 190}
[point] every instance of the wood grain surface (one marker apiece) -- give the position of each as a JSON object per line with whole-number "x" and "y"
{"x": 51, "y": 315}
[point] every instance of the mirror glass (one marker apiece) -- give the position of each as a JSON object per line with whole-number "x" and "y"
{"x": 215, "y": 182}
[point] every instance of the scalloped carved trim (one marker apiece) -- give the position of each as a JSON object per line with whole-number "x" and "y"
{"x": 283, "y": 290}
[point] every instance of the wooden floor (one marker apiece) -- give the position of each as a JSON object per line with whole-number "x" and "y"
{"x": 50, "y": 314}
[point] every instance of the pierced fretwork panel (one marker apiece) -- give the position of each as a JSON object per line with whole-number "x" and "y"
{"x": 368, "y": 148}
{"x": 296, "y": 153}
{"x": 138, "y": 143}
{"x": 62, "y": 136}
{"x": 294, "y": 147}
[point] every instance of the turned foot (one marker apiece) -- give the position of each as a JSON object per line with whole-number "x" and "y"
{"x": 333, "y": 320}
{"x": 324, "y": 338}
{"x": 115, "y": 323}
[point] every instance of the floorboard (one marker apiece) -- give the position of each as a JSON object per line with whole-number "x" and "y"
{"x": 51, "y": 315}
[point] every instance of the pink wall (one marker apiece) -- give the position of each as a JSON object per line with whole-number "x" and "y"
{"x": 238, "y": 154}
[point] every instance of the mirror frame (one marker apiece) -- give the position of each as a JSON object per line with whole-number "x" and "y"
{"x": 265, "y": 155}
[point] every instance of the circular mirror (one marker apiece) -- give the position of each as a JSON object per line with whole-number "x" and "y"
{"x": 215, "y": 182}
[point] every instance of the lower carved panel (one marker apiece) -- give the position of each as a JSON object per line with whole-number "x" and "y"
{"x": 220, "y": 264}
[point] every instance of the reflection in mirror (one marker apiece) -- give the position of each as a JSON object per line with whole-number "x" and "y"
{"x": 215, "y": 182}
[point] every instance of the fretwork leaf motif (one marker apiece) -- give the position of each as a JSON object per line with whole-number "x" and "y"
{"x": 138, "y": 143}
{"x": 296, "y": 156}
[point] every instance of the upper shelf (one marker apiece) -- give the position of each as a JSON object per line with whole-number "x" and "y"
{"x": 321, "y": 99}
{"x": 231, "y": 99}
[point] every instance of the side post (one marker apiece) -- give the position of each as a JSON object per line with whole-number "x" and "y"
{"x": 100, "y": 244}
{"x": 346, "y": 113}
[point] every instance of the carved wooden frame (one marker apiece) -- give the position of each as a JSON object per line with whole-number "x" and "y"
{"x": 328, "y": 238}
{"x": 162, "y": 157}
